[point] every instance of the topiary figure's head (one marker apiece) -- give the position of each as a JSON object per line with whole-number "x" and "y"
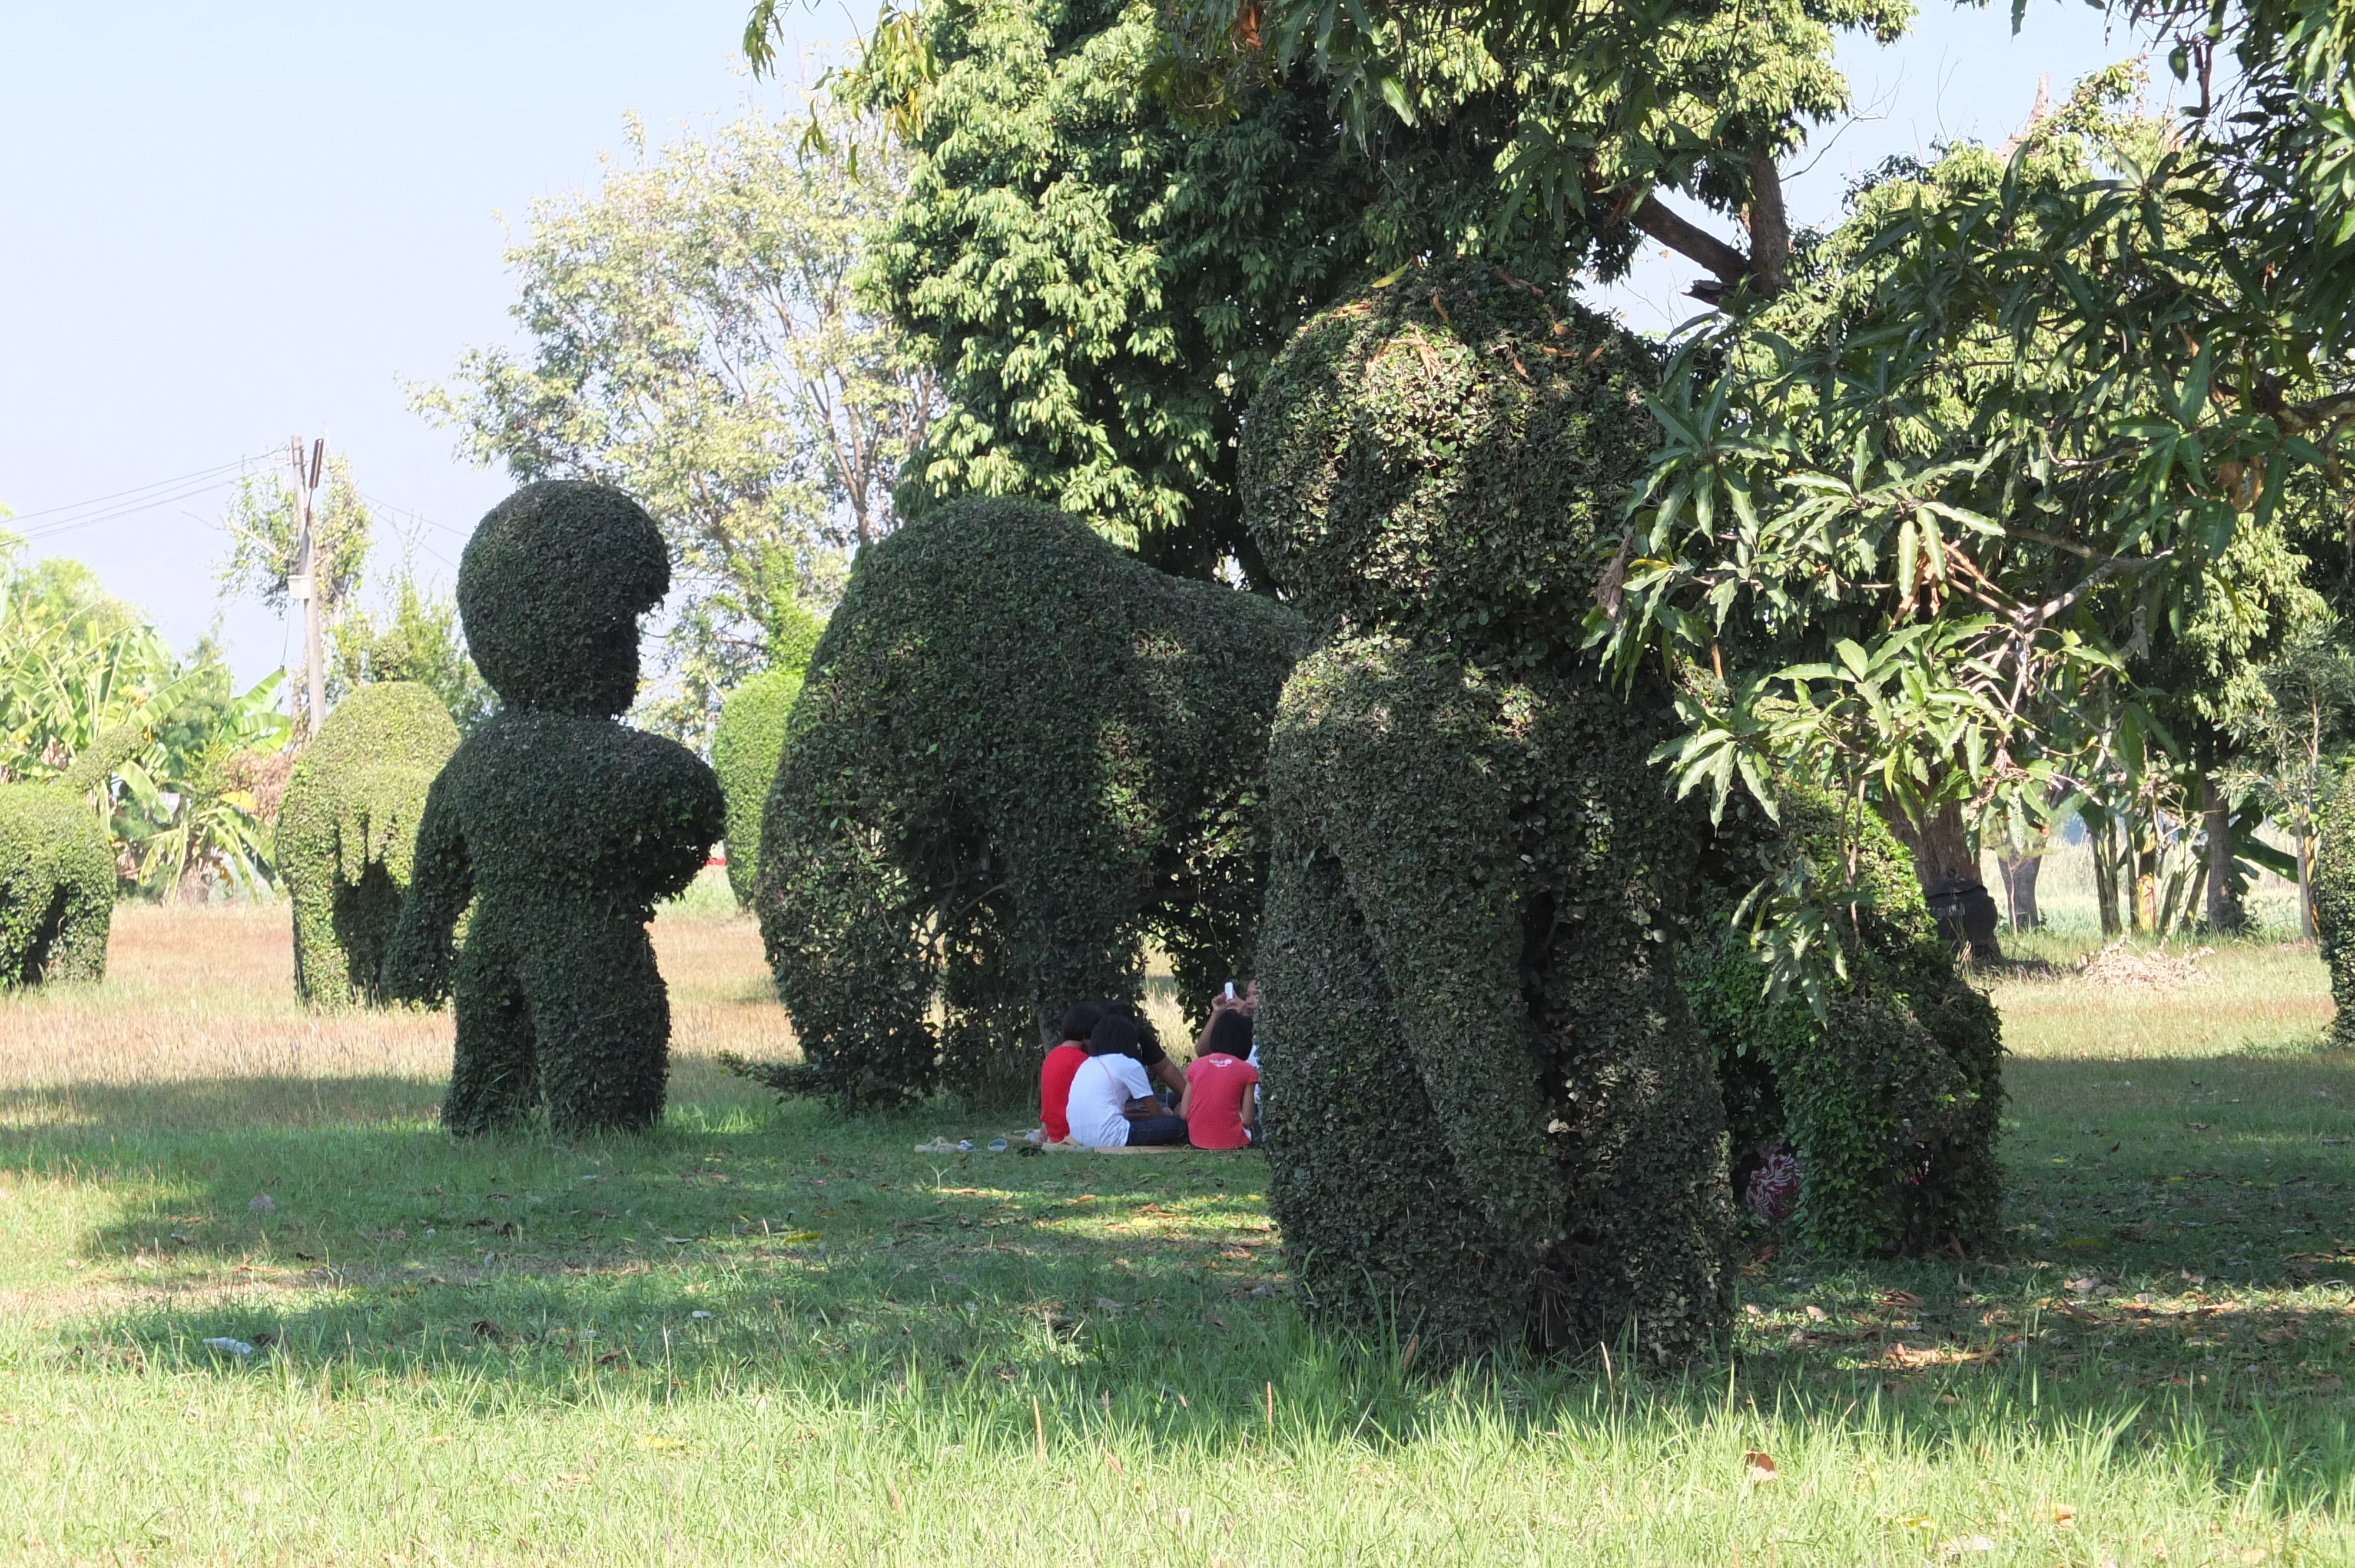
{"x": 1448, "y": 457}
{"x": 550, "y": 589}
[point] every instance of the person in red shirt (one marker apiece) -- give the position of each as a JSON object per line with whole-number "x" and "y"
{"x": 1055, "y": 1074}
{"x": 1218, "y": 1108}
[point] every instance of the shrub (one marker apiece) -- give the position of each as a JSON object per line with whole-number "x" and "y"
{"x": 1489, "y": 1113}
{"x": 2333, "y": 881}
{"x": 744, "y": 749}
{"x": 347, "y": 831}
{"x": 561, "y": 826}
{"x": 56, "y": 869}
{"x": 1891, "y": 1103}
{"x": 1018, "y": 753}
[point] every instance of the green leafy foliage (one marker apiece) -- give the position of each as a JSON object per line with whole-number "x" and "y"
{"x": 347, "y": 832}
{"x": 695, "y": 339}
{"x": 1099, "y": 280}
{"x": 415, "y": 638}
{"x": 745, "y": 746}
{"x": 1889, "y": 1097}
{"x": 1019, "y": 752}
{"x": 1488, "y": 1111}
{"x": 2333, "y": 874}
{"x": 561, "y": 827}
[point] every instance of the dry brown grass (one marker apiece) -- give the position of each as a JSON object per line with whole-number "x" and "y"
{"x": 209, "y": 993}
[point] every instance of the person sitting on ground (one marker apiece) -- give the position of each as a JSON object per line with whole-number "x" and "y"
{"x": 1112, "y": 1102}
{"x": 1157, "y": 1061}
{"x": 1245, "y": 1002}
{"x": 1220, "y": 1109}
{"x": 1055, "y": 1074}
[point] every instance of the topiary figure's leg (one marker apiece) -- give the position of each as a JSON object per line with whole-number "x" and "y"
{"x": 604, "y": 1016}
{"x": 366, "y": 913}
{"x": 494, "y": 1073}
{"x": 1379, "y": 1229}
{"x": 839, "y": 924}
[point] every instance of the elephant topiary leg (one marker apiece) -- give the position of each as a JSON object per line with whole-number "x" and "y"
{"x": 494, "y": 1076}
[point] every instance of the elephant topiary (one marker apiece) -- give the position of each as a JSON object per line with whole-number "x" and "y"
{"x": 1490, "y": 1118}
{"x": 56, "y": 869}
{"x": 1872, "y": 1129}
{"x": 561, "y": 826}
{"x": 1018, "y": 753}
{"x": 347, "y": 831}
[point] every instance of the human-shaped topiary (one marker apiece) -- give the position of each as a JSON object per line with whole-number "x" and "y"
{"x": 347, "y": 831}
{"x": 1889, "y": 1104}
{"x": 56, "y": 868}
{"x": 1018, "y": 754}
{"x": 1489, "y": 1115}
{"x": 745, "y": 746}
{"x": 2332, "y": 878}
{"x": 561, "y": 826}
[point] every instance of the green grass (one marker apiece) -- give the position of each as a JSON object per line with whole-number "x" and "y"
{"x": 761, "y": 1335}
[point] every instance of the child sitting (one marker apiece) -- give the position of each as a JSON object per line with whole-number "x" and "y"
{"x": 1055, "y": 1074}
{"x": 1221, "y": 1111}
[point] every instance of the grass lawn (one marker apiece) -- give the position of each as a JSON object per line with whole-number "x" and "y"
{"x": 761, "y": 1335}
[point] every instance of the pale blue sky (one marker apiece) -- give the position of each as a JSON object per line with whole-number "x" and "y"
{"x": 224, "y": 225}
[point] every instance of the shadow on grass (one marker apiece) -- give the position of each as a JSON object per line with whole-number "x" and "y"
{"x": 747, "y": 1249}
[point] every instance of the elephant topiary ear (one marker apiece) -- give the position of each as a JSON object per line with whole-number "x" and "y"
{"x": 550, "y": 589}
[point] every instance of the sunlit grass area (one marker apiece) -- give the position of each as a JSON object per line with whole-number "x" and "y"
{"x": 761, "y": 1334}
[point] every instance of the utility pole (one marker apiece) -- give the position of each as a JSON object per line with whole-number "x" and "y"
{"x": 303, "y": 582}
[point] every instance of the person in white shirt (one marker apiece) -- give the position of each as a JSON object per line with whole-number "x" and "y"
{"x": 1112, "y": 1103}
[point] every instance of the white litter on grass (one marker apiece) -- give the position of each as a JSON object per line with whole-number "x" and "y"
{"x": 698, "y": 1314}
{"x": 229, "y": 1346}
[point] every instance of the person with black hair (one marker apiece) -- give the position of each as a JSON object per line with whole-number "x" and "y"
{"x": 1221, "y": 1110}
{"x": 1055, "y": 1074}
{"x": 1157, "y": 1064}
{"x": 1112, "y": 1102}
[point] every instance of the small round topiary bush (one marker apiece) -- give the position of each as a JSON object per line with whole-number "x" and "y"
{"x": 1490, "y": 1118}
{"x": 745, "y": 746}
{"x": 561, "y": 827}
{"x": 347, "y": 830}
{"x": 1871, "y": 1130}
{"x": 1019, "y": 752}
{"x": 2332, "y": 878}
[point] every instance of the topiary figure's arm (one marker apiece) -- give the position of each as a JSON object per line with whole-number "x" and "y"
{"x": 419, "y": 965}
{"x": 1391, "y": 760}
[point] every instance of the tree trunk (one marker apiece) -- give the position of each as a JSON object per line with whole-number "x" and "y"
{"x": 2225, "y": 910}
{"x": 2103, "y": 841}
{"x": 2019, "y": 873}
{"x": 1949, "y": 874}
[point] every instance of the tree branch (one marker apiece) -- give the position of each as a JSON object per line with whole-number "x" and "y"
{"x": 1694, "y": 244}
{"x": 1770, "y": 227}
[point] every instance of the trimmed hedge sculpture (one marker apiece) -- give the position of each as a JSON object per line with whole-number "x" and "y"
{"x": 745, "y": 746}
{"x": 1874, "y": 1132}
{"x": 1490, "y": 1116}
{"x": 56, "y": 869}
{"x": 561, "y": 826}
{"x": 2332, "y": 878}
{"x": 348, "y": 832}
{"x": 1018, "y": 752}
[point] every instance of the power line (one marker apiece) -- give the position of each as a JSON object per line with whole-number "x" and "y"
{"x": 127, "y": 510}
{"x": 134, "y": 490}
